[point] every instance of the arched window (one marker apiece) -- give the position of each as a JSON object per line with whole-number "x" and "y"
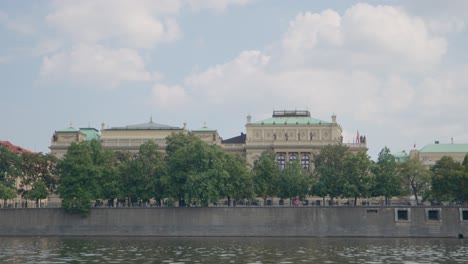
{"x": 305, "y": 161}
{"x": 292, "y": 157}
{"x": 281, "y": 161}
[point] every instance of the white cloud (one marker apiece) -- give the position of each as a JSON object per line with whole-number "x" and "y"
{"x": 140, "y": 24}
{"x": 391, "y": 31}
{"x": 136, "y": 24}
{"x": 215, "y": 5}
{"x": 220, "y": 83}
{"x": 446, "y": 25}
{"x": 165, "y": 96}
{"x": 96, "y": 64}
{"x": 365, "y": 36}
{"x": 47, "y": 46}
{"x": 308, "y": 30}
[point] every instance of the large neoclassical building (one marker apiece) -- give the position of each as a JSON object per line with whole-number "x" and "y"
{"x": 290, "y": 134}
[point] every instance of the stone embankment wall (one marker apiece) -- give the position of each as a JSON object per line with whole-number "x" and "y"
{"x": 366, "y": 221}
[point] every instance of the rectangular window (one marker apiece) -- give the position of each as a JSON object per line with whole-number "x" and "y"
{"x": 433, "y": 215}
{"x": 402, "y": 215}
{"x": 371, "y": 211}
{"x": 465, "y": 215}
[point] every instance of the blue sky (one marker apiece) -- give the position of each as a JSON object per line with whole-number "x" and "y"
{"x": 397, "y": 71}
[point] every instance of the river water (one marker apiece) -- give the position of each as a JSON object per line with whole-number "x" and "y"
{"x": 232, "y": 250}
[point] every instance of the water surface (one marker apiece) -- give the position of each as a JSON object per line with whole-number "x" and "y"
{"x": 232, "y": 250}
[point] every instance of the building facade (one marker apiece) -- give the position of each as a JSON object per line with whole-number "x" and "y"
{"x": 432, "y": 153}
{"x": 62, "y": 139}
{"x": 291, "y": 135}
{"x": 130, "y": 138}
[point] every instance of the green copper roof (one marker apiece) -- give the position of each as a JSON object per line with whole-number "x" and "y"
{"x": 69, "y": 130}
{"x": 204, "y": 129}
{"x": 401, "y": 154}
{"x": 291, "y": 120}
{"x": 445, "y": 148}
{"x": 91, "y": 133}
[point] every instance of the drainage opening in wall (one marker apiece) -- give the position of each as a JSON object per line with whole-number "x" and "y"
{"x": 402, "y": 215}
{"x": 433, "y": 215}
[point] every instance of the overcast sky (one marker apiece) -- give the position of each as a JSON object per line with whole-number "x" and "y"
{"x": 396, "y": 71}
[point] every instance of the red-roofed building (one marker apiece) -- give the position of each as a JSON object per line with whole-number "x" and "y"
{"x": 14, "y": 148}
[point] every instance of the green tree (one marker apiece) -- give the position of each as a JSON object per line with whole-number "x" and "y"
{"x": 387, "y": 179}
{"x": 266, "y": 175}
{"x": 103, "y": 160}
{"x": 239, "y": 183}
{"x": 143, "y": 176}
{"x": 329, "y": 171}
{"x": 6, "y": 193}
{"x": 197, "y": 170}
{"x": 464, "y": 184}
{"x": 38, "y": 171}
{"x": 180, "y": 162}
{"x": 415, "y": 177}
{"x": 465, "y": 163}
{"x": 448, "y": 180}
{"x": 358, "y": 176}
{"x": 80, "y": 174}
{"x": 38, "y": 191}
{"x": 10, "y": 167}
{"x": 205, "y": 181}
{"x": 114, "y": 186}
{"x": 293, "y": 181}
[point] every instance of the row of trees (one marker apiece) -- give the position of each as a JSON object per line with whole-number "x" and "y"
{"x": 191, "y": 172}
{"x": 195, "y": 173}
{"x": 33, "y": 172}
{"x": 338, "y": 173}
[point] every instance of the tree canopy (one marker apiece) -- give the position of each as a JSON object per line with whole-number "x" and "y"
{"x": 387, "y": 179}
{"x": 266, "y": 175}
{"x": 449, "y": 180}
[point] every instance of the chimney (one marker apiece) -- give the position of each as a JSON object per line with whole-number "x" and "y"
{"x": 249, "y": 119}
{"x": 333, "y": 118}
{"x": 452, "y": 140}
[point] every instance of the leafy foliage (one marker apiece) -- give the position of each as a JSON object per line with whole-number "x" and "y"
{"x": 239, "y": 184}
{"x": 293, "y": 181}
{"x": 266, "y": 175}
{"x": 358, "y": 177}
{"x": 387, "y": 178}
{"x": 202, "y": 173}
{"x": 38, "y": 170}
{"x": 449, "y": 181}
{"x": 143, "y": 176}
{"x": 415, "y": 178}
{"x": 80, "y": 173}
{"x": 38, "y": 191}
{"x": 6, "y": 192}
{"x": 329, "y": 170}
{"x": 10, "y": 167}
